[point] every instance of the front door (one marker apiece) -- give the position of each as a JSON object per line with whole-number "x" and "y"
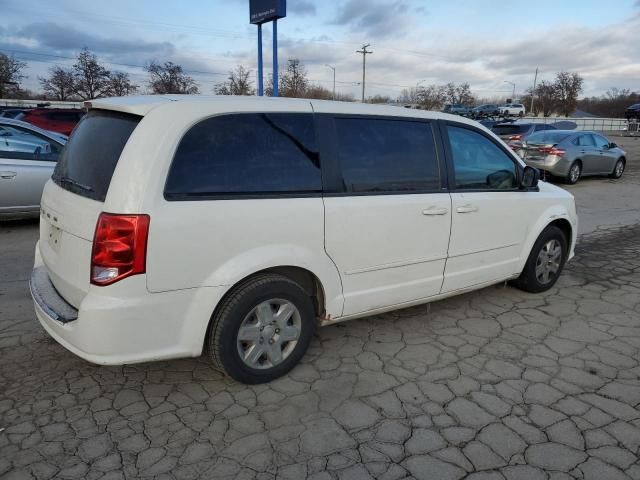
{"x": 489, "y": 214}
{"x": 387, "y": 223}
{"x": 604, "y": 160}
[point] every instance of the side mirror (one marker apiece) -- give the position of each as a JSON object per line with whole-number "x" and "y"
{"x": 530, "y": 177}
{"x": 612, "y": 145}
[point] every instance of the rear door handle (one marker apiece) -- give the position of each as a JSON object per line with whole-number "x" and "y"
{"x": 435, "y": 211}
{"x": 467, "y": 209}
{"x": 8, "y": 175}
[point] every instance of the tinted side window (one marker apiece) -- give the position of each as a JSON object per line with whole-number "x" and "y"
{"x": 601, "y": 142}
{"x": 585, "y": 141}
{"x": 380, "y": 155}
{"x": 479, "y": 163}
{"x": 22, "y": 144}
{"x": 247, "y": 154}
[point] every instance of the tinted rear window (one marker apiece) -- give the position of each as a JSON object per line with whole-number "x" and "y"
{"x": 378, "y": 155}
{"x": 509, "y": 129}
{"x": 547, "y": 137}
{"x": 257, "y": 153}
{"x": 91, "y": 155}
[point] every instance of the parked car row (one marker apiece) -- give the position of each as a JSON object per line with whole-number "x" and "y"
{"x": 486, "y": 110}
{"x": 61, "y": 120}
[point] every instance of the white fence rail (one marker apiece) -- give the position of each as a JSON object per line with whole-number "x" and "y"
{"x": 588, "y": 123}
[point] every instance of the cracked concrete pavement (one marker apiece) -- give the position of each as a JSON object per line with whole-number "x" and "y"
{"x": 495, "y": 384}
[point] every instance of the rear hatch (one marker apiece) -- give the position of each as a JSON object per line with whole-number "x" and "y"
{"x": 73, "y": 199}
{"x": 510, "y": 132}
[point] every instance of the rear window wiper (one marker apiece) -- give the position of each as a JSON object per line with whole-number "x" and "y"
{"x": 73, "y": 182}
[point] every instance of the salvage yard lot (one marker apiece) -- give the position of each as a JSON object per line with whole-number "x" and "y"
{"x": 520, "y": 385}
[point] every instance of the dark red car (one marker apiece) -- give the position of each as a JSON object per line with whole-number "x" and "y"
{"x": 61, "y": 120}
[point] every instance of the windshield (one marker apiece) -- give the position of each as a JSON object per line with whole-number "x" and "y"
{"x": 509, "y": 129}
{"x": 547, "y": 137}
{"x": 92, "y": 152}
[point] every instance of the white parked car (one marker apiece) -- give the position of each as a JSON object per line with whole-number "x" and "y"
{"x": 175, "y": 225}
{"x": 513, "y": 109}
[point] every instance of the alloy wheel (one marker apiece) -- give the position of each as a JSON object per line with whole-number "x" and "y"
{"x": 269, "y": 334}
{"x": 548, "y": 261}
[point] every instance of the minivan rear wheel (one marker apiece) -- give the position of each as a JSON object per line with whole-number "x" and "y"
{"x": 545, "y": 262}
{"x": 262, "y": 329}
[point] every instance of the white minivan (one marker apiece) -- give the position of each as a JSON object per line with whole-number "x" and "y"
{"x": 175, "y": 224}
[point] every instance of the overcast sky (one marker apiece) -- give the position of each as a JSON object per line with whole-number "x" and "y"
{"x": 483, "y": 42}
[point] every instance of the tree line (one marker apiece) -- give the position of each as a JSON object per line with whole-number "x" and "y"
{"x": 88, "y": 78}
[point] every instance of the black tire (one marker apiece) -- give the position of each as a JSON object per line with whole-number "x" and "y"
{"x": 618, "y": 171}
{"x": 571, "y": 178}
{"x": 529, "y": 280}
{"x": 222, "y": 337}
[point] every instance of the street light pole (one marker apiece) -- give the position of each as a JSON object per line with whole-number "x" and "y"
{"x": 513, "y": 96}
{"x": 334, "y": 79}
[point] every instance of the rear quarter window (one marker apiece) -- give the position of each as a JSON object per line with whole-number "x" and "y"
{"x": 90, "y": 156}
{"x": 246, "y": 154}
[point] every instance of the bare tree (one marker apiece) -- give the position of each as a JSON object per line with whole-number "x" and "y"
{"x": 379, "y": 99}
{"x": 322, "y": 93}
{"x": 293, "y": 82}
{"x": 458, "y": 94}
{"x": 120, "y": 84}
{"x": 238, "y": 83}
{"x": 567, "y": 87}
{"x": 432, "y": 97}
{"x": 170, "y": 78}
{"x": 60, "y": 84}
{"x": 612, "y": 104}
{"x": 10, "y": 74}
{"x": 92, "y": 80}
{"x": 408, "y": 95}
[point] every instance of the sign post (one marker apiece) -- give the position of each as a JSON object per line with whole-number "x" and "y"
{"x": 264, "y": 11}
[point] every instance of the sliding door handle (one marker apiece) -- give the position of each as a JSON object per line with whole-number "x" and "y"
{"x": 8, "y": 175}
{"x": 435, "y": 211}
{"x": 467, "y": 209}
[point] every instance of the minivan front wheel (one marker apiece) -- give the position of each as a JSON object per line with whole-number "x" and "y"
{"x": 262, "y": 329}
{"x": 545, "y": 262}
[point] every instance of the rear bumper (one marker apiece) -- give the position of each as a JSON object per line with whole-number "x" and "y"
{"x": 124, "y": 323}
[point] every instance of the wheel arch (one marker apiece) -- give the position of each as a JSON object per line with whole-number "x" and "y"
{"x": 556, "y": 217}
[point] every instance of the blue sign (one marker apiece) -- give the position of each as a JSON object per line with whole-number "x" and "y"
{"x": 263, "y": 11}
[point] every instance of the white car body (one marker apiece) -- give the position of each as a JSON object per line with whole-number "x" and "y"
{"x": 516, "y": 109}
{"x": 369, "y": 253}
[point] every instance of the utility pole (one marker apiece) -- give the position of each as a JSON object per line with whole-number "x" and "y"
{"x": 513, "y": 95}
{"x": 364, "y": 53}
{"x": 533, "y": 92}
{"x": 334, "y": 79}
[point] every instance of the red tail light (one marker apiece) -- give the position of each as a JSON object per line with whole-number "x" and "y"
{"x": 515, "y": 137}
{"x": 119, "y": 247}
{"x": 552, "y": 151}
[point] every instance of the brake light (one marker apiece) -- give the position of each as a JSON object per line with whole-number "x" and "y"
{"x": 119, "y": 247}
{"x": 552, "y": 151}
{"x": 515, "y": 137}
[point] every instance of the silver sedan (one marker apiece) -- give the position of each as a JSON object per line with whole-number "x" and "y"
{"x": 571, "y": 155}
{"x": 28, "y": 156}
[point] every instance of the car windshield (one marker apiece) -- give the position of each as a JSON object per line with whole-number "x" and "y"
{"x": 547, "y": 137}
{"x": 509, "y": 129}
